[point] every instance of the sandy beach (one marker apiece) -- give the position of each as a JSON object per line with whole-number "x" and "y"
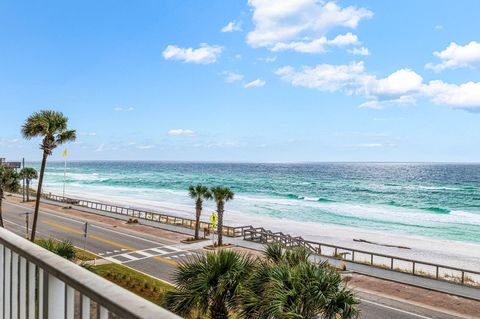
{"x": 422, "y": 248}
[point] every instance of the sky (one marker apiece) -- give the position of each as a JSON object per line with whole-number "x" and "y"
{"x": 237, "y": 80}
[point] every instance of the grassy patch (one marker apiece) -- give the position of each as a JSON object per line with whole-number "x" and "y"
{"x": 84, "y": 255}
{"x": 145, "y": 286}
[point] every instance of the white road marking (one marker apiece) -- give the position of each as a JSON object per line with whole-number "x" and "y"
{"x": 173, "y": 248}
{"x": 143, "y": 253}
{"x": 395, "y": 309}
{"x": 161, "y": 252}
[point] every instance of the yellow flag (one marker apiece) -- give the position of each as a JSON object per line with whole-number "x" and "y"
{"x": 65, "y": 153}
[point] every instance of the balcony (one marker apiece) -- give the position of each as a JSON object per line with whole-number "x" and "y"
{"x": 40, "y": 284}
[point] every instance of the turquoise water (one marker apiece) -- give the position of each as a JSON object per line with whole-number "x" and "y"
{"x": 436, "y": 200}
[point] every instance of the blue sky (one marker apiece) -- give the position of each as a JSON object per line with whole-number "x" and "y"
{"x": 259, "y": 80}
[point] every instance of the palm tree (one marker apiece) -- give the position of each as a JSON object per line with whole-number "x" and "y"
{"x": 8, "y": 182}
{"x": 209, "y": 284}
{"x": 199, "y": 193}
{"x": 221, "y": 195}
{"x": 287, "y": 285}
{"x": 52, "y": 127}
{"x": 28, "y": 173}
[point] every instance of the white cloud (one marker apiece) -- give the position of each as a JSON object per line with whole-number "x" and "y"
{"x": 439, "y": 27}
{"x": 370, "y": 145}
{"x": 317, "y": 46}
{"x": 124, "y": 109}
{"x": 465, "y": 96}
{"x": 232, "y": 26}
{"x": 181, "y": 132}
{"x": 205, "y": 54}
{"x": 301, "y": 25}
{"x": 375, "y": 103}
{"x": 100, "y": 148}
{"x": 359, "y": 51}
{"x": 325, "y": 77}
{"x": 269, "y": 59}
{"x": 231, "y": 77}
{"x": 145, "y": 147}
{"x": 457, "y": 56}
{"x": 87, "y": 134}
{"x": 401, "y": 87}
{"x": 400, "y": 82}
{"x": 255, "y": 84}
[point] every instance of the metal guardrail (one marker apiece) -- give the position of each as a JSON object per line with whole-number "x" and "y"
{"x": 143, "y": 214}
{"x": 414, "y": 267}
{"x": 39, "y": 284}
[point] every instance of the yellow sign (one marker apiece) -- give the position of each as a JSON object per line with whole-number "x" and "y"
{"x": 214, "y": 218}
{"x": 65, "y": 153}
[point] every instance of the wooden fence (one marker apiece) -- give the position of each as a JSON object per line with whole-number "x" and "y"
{"x": 143, "y": 214}
{"x": 414, "y": 267}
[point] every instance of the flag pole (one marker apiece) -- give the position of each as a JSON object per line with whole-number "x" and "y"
{"x": 64, "y": 172}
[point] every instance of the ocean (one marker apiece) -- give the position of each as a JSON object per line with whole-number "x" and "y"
{"x": 441, "y": 201}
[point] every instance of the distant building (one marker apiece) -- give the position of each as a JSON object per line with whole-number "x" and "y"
{"x": 14, "y": 165}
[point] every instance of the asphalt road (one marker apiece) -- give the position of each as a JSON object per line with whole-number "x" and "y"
{"x": 158, "y": 257}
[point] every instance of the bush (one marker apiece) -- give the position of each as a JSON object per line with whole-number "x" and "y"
{"x": 64, "y": 248}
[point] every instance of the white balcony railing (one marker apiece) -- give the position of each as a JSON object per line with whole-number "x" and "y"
{"x": 36, "y": 283}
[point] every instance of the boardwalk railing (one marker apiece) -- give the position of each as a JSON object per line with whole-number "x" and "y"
{"x": 39, "y": 284}
{"x": 143, "y": 214}
{"x": 414, "y": 267}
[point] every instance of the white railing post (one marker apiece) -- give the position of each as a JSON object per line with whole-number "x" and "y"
{"x": 31, "y": 290}
{"x": 70, "y": 303}
{"x": 41, "y": 297}
{"x": 7, "y": 281}
{"x": 102, "y": 312}
{"x": 56, "y": 297}
{"x": 85, "y": 307}
{"x": 2, "y": 278}
{"x": 23, "y": 289}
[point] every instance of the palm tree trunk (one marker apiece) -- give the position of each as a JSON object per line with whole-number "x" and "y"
{"x": 1, "y": 202}
{"x": 220, "y": 209}
{"x": 39, "y": 195}
{"x": 218, "y": 310}
{"x": 28, "y": 190}
{"x": 198, "y": 210}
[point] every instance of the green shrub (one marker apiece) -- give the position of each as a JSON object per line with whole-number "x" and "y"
{"x": 64, "y": 248}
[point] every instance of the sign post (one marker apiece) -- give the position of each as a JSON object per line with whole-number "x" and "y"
{"x": 86, "y": 236}
{"x": 27, "y": 214}
{"x": 213, "y": 220}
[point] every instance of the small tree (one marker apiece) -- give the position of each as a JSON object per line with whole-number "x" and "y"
{"x": 221, "y": 195}
{"x": 199, "y": 193}
{"x": 52, "y": 127}
{"x": 28, "y": 174}
{"x": 8, "y": 183}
